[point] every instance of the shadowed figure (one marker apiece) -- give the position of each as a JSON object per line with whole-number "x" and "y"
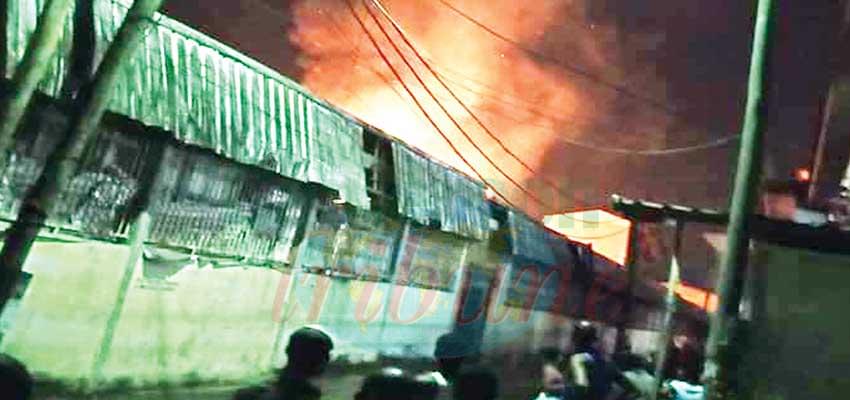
{"x": 450, "y": 353}
{"x": 553, "y": 384}
{"x": 16, "y": 383}
{"x": 591, "y": 375}
{"x": 475, "y": 382}
{"x": 308, "y": 354}
{"x": 395, "y": 384}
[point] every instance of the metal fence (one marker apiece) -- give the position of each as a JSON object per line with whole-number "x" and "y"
{"x": 200, "y": 203}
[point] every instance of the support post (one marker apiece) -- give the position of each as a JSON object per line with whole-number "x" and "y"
{"x": 295, "y": 270}
{"x": 30, "y": 71}
{"x": 398, "y": 258}
{"x": 140, "y": 227}
{"x": 719, "y": 370}
{"x": 62, "y": 162}
{"x": 138, "y": 235}
{"x": 669, "y": 311}
{"x": 631, "y": 270}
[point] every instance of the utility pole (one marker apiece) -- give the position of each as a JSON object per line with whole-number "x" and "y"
{"x": 29, "y": 72}
{"x": 62, "y": 162}
{"x": 719, "y": 374}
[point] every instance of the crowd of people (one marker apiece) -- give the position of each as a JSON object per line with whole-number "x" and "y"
{"x": 582, "y": 373}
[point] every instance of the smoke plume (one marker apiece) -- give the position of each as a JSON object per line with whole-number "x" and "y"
{"x": 558, "y": 82}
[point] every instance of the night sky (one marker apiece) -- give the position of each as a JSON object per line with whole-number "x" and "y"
{"x": 699, "y": 48}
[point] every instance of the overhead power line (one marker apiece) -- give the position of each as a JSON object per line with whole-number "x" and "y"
{"x": 454, "y": 121}
{"x": 427, "y": 62}
{"x": 480, "y": 123}
{"x": 398, "y": 77}
{"x": 596, "y": 237}
{"x": 619, "y": 88}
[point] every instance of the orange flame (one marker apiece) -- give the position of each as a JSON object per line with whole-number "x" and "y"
{"x": 529, "y": 104}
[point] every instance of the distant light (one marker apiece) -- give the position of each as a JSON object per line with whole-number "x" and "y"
{"x": 392, "y": 371}
{"x": 339, "y": 201}
{"x": 803, "y": 174}
{"x": 489, "y": 194}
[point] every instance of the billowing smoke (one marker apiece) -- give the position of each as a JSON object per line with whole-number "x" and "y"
{"x": 559, "y": 82}
{"x": 682, "y": 57}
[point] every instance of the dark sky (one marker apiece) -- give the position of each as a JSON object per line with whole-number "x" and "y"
{"x": 703, "y": 58}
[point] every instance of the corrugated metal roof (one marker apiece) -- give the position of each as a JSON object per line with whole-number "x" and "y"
{"x": 427, "y": 192}
{"x": 209, "y": 95}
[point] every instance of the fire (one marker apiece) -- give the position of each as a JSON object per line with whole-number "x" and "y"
{"x": 530, "y": 104}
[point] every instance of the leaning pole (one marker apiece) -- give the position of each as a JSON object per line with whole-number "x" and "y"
{"x": 61, "y": 163}
{"x": 720, "y": 372}
{"x": 29, "y": 72}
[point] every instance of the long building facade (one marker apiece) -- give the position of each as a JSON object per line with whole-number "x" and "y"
{"x": 270, "y": 209}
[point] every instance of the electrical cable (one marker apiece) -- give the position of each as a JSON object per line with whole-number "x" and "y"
{"x": 607, "y": 235}
{"x": 490, "y": 133}
{"x": 719, "y": 142}
{"x": 398, "y": 77}
{"x": 715, "y": 143}
{"x": 570, "y": 68}
{"x": 398, "y": 51}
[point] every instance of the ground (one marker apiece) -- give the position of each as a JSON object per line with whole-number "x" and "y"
{"x": 337, "y": 388}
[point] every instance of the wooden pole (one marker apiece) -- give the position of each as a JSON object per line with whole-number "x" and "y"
{"x": 30, "y": 71}
{"x": 669, "y": 312}
{"x": 631, "y": 270}
{"x": 719, "y": 367}
{"x": 140, "y": 227}
{"x": 62, "y": 162}
{"x": 295, "y": 271}
{"x": 395, "y": 269}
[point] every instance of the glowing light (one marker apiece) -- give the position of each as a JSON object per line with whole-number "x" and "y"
{"x": 483, "y": 80}
{"x": 338, "y": 201}
{"x": 606, "y": 232}
{"x": 803, "y": 174}
{"x": 701, "y": 298}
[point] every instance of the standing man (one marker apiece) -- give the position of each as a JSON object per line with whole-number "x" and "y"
{"x": 591, "y": 374}
{"x": 308, "y": 353}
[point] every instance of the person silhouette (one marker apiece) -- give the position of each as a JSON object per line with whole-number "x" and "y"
{"x": 475, "y": 382}
{"x": 391, "y": 384}
{"x": 449, "y": 355}
{"x": 16, "y": 383}
{"x": 308, "y": 354}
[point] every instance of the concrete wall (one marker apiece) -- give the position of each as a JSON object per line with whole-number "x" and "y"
{"x": 60, "y": 323}
{"x": 368, "y": 318}
{"x": 203, "y": 323}
{"x": 212, "y": 324}
{"x": 200, "y": 323}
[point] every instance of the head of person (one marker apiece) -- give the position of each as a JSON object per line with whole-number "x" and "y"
{"x": 680, "y": 341}
{"x": 450, "y": 353}
{"x": 584, "y": 336}
{"x": 476, "y": 383}
{"x": 553, "y": 380}
{"x": 389, "y": 384}
{"x": 551, "y": 359}
{"x": 308, "y": 352}
{"x": 16, "y": 383}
